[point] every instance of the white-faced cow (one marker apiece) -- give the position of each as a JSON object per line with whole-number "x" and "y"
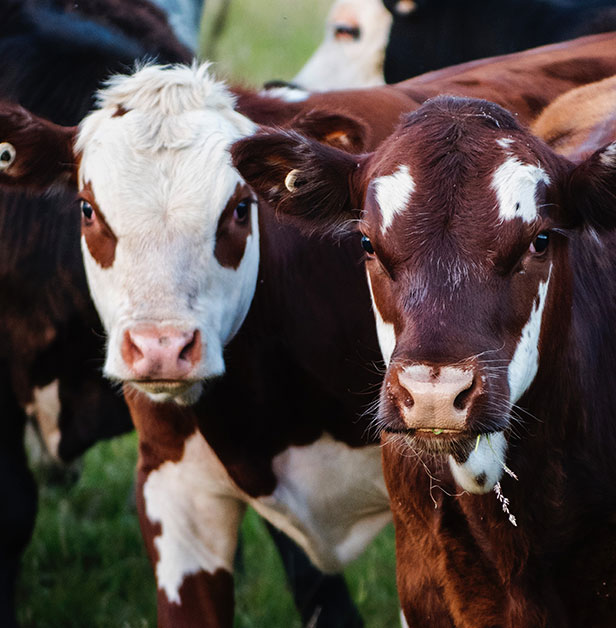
{"x": 353, "y": 49}
{"x": 491, "y": 265}
{"x": 182, "y": 265}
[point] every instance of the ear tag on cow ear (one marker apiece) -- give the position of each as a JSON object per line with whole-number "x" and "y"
{"x": 290, "y": 179}
{"x": 7, "y": 155}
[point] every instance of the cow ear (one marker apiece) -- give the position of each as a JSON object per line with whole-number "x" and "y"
{"x": 333, "y": 129}
{"x": 35, "y": 154}
{"x": 314, "y": 184}
{"x": 592, "y": 190}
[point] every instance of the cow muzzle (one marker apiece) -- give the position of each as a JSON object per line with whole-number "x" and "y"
{"x": 161, "y": 355}
{"x": 435, "y": 399}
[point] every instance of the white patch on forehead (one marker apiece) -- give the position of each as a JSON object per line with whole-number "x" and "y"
{"x": 525, "y": 362}
{"x": 505, "y": 142}
{"x": 197, "y": 508}
{"x": 608, "y": 156}
{"x": 393, "y": 193}
{"x": 332, "y": 521}
{"x": 484, "y": 467}
{"x": 287, "y": 93}
{"x": 515, "y": 185}
{"x": 385, "y": 332}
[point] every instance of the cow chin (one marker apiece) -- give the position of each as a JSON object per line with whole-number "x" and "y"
{"x": 184, "y": 393}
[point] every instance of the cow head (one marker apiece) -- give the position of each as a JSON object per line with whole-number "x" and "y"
{"x": 353, "y": 50}
{"x": 169, "y": 229}
{"x": 170, "y": 234}
{"x": 465, "y": 218}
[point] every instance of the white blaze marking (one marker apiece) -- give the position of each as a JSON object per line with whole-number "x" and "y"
{"x": 403, "y": 620}
{"x": 515, "y": 185}
{"x": 525, "y": 362}
{"x": 393, "y": 193}
{"x": 487, "y": 459}
{"x": 385, "y": 332}
{"x": 330, "y": 499}
{"x": 196, "y": 504}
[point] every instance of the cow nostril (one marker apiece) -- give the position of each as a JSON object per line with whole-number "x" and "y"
{"x": 464, "y": 397}
{"x": 191, "y": 351}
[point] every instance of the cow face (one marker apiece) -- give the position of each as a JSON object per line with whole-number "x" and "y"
{"x": 464, "y": 219}
{"x": 353, "y": 50}
{"x": 169, "y": 228}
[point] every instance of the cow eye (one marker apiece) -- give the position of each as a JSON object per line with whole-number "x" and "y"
{"x": 242, "y": 210}
{"x": 7, "y": 155}
{"x": 367, "y": 245}
{"x": 341, "y": 31}
{"x": 86, "y": 210}
{"x": 540, "y": 243}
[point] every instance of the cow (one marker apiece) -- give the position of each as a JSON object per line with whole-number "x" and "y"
{"x": 352, "y": 52}
{"x": 429, "y": 34}
{"x": 245, "y": 364}
{"x": 54, "y": 59}
{"x": 580, "y": 120}
{"x": 491, "y": 267}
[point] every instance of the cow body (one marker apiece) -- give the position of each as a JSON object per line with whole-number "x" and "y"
{"x": 430, "y": 34}
{"x": 491, "y": 273}
{"x": 287, "y": 413}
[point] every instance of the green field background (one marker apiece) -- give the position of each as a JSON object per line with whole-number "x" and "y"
{"x": 86, "y": 565}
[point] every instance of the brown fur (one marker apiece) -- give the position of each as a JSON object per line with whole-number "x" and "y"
{"x": 231, "y": 234}
{"x": 100, "y": 239}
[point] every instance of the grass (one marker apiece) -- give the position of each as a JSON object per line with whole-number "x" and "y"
{"x": 86, "y": 565}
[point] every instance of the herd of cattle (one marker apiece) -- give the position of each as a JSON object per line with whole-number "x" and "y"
{"x": 235, "y": 247}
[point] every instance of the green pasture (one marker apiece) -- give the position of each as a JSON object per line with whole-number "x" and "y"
{"x": 86, "y": 565}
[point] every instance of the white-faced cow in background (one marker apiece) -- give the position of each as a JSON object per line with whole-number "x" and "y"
{"x": 491, "y": 263}
{"x": 353, "y": 49}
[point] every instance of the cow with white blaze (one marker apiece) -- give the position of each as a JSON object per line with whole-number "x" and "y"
{"x": 491, "y": 264}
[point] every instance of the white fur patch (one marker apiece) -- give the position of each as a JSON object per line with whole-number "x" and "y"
{"x": 525, "y": 362}
{"x": 343, "y": 62}
{"x": 403, "y": 622}
{"x": 505, "y": 142}
{"x": 393, "y": 193}
{"x": 608, "y": 156}
{"x": 45, "y": 408}
{"x": 385, "y": 332}
{"x": 515, "y": 185}
{"x": 484, "y": 467}
{"x": 330, "y": 499}
{"x": 199, "y": 512}
{"x": 287, "y": 93}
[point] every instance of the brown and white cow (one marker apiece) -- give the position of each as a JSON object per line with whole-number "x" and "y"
{"x": 177, "y": 255}
{"x": 491, "y": 264}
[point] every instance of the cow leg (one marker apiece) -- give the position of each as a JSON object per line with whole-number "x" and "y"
{"x": 19, "y": 501}
{"x": 189, "y": 517}
{"x": 322, "y": 600}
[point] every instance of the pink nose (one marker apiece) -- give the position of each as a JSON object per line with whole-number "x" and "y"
{"x": 437, "y": 398}
{"x": 161, "y": 353}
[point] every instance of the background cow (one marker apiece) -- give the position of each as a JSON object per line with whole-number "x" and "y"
{"x": 491, "y": 273}
{"x": 429, "y": 34}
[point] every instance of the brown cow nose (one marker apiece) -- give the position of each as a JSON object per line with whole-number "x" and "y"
{"x": 163, "y": 353}
{"x": 437, "y": 398}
